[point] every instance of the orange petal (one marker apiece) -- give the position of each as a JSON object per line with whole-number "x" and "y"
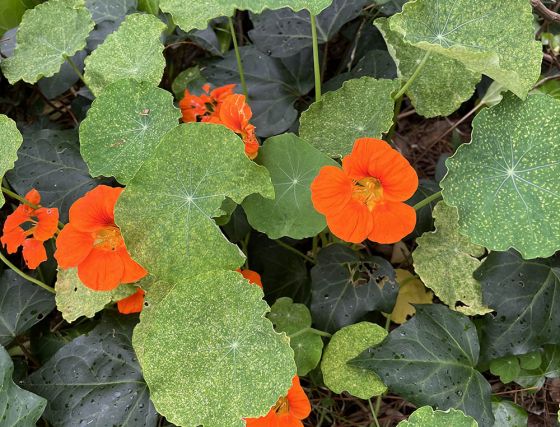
{"x": 353, "y": 224}
{"x": 132, "y": 304}
{"x": 16, "y": 218}
{"x": 33, "y": 253}
{"x": 235, "y": 113}
{"x": 33, "y": 197}
{"x": 298, "y": 400}
{"x": 365, "y": 152}
{"x": 72, "y": 246}
{"x": 132, "y": 270}
{"x": 392, "y": 221}
{"x": 95, "y": 209}
{"x": 269, "y": 420}
{"x": 288, "y": 420}
{"x": 222, "y": 92}
{"x": 101, "y": 270}
{"x": 13, "y": 239}
{"x": 252, "y": 276}
{"x": 331, "y": 190}
{"x": 251, "y": 142}
{"x": 47, "y": 223}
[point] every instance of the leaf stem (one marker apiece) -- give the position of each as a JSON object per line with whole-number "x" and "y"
{"x": 312, "y": 330}
{"x": 415, "y": 74}
{"x": 316, "y": 66}
{"x": 427, "y": 201}
{"x": 294, "y": 250}
{"x": 25, "y": 202}
{"x": 26, "y": 276}
{"x": 77, "y": 71}
{"x": 373, "y": 413}
{"x": 238, "y": 57}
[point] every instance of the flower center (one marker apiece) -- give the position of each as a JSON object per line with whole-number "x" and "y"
{"x": 108, "y": 238}
{"x": 282, "y": 406}
{"x": 368, "y": 191}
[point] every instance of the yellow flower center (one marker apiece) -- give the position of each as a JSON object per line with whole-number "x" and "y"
{"x": 108, "y": 238}
{"x": 368, "y": 191}
{"x": 282, "y": 406}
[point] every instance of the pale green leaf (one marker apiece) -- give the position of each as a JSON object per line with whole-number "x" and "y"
{"x": 209, "y": 354}
{"x": 427, "y": 417}
{"x": 360, "y": 108}
{"x": 344, "y": 345}
{"x": 505, "y": 182}
{"x": 166, "y": 211}
{"x": 508, "y": 414}
{"x": 133, "y": 51}
{"x": 293, "y": 164}
{"x": 446, "y": 260}
{"x": 478, "y": 33}
{"x": 10, "y": 141}
{"x": 124, "y": 127}
{"x": 47, "y": 34}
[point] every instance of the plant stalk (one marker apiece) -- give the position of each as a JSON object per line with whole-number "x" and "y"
{"x": 413, "y": 76}
{"x": 316, "y": 66}
{"x": 427, "y": 201}
{"x": 26, "y": 276}
{"x": 238, "y": 57}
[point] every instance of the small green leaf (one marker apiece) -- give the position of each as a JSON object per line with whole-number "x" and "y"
{"x": 133, "y": 51}
{"x": 360, "y": 108}
{"x": 10, "y": 141}
{"x": 427, "y": 417}
{"x": 548, "y": 368}
{"x": 223, "y": 363}
{"x": 187, "y": 79}
{"x": 344, "y": 345}
{"x": 47, "y": 35}
{"x": 530, "y": 360}
{"x": 507, "y": 368}
{"x": 124, "y": 126}
{"x": 293, "y": 164}
{"x": 508, "y": 414}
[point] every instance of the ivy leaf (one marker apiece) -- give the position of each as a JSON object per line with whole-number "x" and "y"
{"x": 411, "y": 291}
{"x": 477, "y": 33}
{"x": 442, "y": 85}
{"x": 426, "y": 416}
{"x": 445, "y": 261}
{"x": 431, "y": 360}
{"x": 345, "y": 288}
{"x": 17, "y": 407}
{"x": 43, "y": 42}
{"x": 295, "y": 320}
{"x": 505, "y": 182}
{"x": 361, "y": 107}
{"x": 508, "y": 414}
{"x": 124, "y": 127}
{"x": 507, "y": 368}
{"x": 236, "y": 365}
{"x": 166, "y": 212}
{"x": 293, "y": 164}
{"x": 9, "y": 144}
{"x": 344, "y": 345}
{"x": 133, "y": 51}
{"x": 548, "y": 368}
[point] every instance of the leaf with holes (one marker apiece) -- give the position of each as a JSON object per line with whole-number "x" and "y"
{"x": 236, "y": 365}
{"x": 505, "y": 182}
{"x": 10, "y": 142}
{"x": 361, "y": 107}
{"x": 293, "y": 164}
{"x": 431, "y": 360}
{"x": 42, "y": 46}
{"x": 124, "y": 127}
{"x": 166, "y": 211}
{"x": 477, "y": 33}
{"x": 426, "y": 416}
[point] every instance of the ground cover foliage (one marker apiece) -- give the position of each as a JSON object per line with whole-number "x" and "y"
{"x": 204, "y": 206}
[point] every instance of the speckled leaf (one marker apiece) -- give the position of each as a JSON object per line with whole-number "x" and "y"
{"x": 124, "y": 127}
{"x": 293, "y": 164}
{"x": 295, "y": 320}
{"x": 361, "y": 107}
{"x": 10, "y": 141}
{"x": 166, "y": 212}
{"x": 442, "y": 85}
{"x": 478, "y": 33}
{"x": 505, "y": 182}
{"x": 214, "y": 370}
{"x": 133, "y": 51}
{"x": 47, "y": 34}
{"x": 411, "y": 291}
{"x": 427, "y": 417}
{"x": 445, "y": 261}
{"x": 431, "y": 360}
{"x": 508, "y": 414}
{"x": 344, "y": 345}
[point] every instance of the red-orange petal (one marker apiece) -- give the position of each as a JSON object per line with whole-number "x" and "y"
{"x": 13, "y": 239}
{"x": 132, "y": 270}
{"x": 331, "y": 190}
{"x": 392, "y": 221}
{"x": 353, "y": 224}
{"x": 222, "y": 92}
{"x": 33, "y": 197}
{"x": 101, "y": 270}
{"x": 95, "y": 209}
{"x": 269, "y": 420}
{"x": 235, "y": 113}
{"x": 72, "y": 246}
{"x": 298, "y": 401}
{"x": 20, "y": 215}
{"x": 365, "y": 153}
{"x": 33, "y": 253}
{"x": 47, "y": 223}
{"x": 132, "y": 304}
{"x": 252, "y": 276}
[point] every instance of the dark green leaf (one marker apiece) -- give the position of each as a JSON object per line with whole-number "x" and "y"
{"x": 56, "y": 85}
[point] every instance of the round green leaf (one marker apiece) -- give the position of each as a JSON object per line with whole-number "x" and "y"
{"x": 166, "y": 211}
{"x": 505, "y": 182}
{"x": 427, "y": 417}
{"x": 10, "y": 141}
{"x": 346, "y": 344}
{"x": 293, "y": 164}
{"x": 209, "y": 354}
{"x": 124, "y": 127}
{"x": 360, "y": 108}
{"x": 47, "y": 34}
{"x": 133, "y": 51}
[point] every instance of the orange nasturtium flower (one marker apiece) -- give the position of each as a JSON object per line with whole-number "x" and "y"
{"x": 92, "y": 242}
{"x": 40, "y": 225}
{"x": 252, "y": 276}
{"x": 198, "y": 107}
{"x": 132, "y": 303}
{"x": 287, "y": 412}
{"x": 365, "y": 198}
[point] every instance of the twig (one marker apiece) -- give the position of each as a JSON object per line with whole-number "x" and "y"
{"x": 544, "y": 11}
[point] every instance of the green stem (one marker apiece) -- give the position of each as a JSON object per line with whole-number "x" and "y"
{"x": 238, "y": 57}
{"x": 77, "y": 71}
{"x": 25, "y": 202}
{"x": 427, "y": 201}
{"x": 312, "y": 330}
{"x": 413, "y": 76}
{"x": 373, "y": 413}
{"x": 25, "y": 276}
{"x": 316, "y": 66}
{"x": 294, "y": 250}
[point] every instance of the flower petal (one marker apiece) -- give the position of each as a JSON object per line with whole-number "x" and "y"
{"x": 72, "y": 246}
{"x": 269, "y": 420}
{"x": 235, "y": 113}
{"x": 47, "y": 223}
{"x": 298, "y": 400}
{"x": 13, "y": 239}
{"x": 132, "y": 304}
{"x": 331, "y": 190}
{"x": 132, "y": 270}
{"x": 33, "y": 197}
{"x": 95, "y": 209}
{"x": 252, "y": 276}
{"x": 101, "y": 270}
{"x": 353, "y": 224}
{"x": 392, "y": 221}
{"x": 365, "y": 152}
{"x": 33, "y": 253}
{"x": 16, "y": 218}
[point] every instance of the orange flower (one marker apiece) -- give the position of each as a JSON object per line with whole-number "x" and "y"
{"x": 252, "y": 276}
{"x": 365, "y": 198}
{"x": 194, "y": 107}
{"x": 132, "y": 303}
{"x": 288, "y": 411}
{"x": 43, "y": 225}
{"x": 92, "y": 242}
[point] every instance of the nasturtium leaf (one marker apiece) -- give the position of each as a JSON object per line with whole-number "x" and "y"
{"x": 109, "y": 10}
{"x": 345, "y": 288}
{"x": 431, "y": 360}
{"x": 427, "y": 417}
{"x": 548, "y": 368}
{"x": 411, "y": 291}
{"x": 508, "y": 414}
{"x": 530, "y": 360}
{"x": 293, "y": 164}
{"x": 56, "y": 85}
{"x": 442, "y": 85}
{"x": 11, "y": 12}
{"x": 133, "y": 51}
{"x": 505, "y": 182}
{"x": 209, "y": 354}
{"x": 295, "y": 320}
{"x": 17, "y": 407}
{"x": 47, "y": 35}
{"x": 124, "y": 126}
{"x": 446, "y": 260}
{"x": 166, "y": 211}
{"x": 344, "y": 345}
{"x": 74, "y": 299}
{"x": 96, "y": 380}
{"x": 360, "y": 108}
{"x": 10, "y": 141}
{"x": 477, "y": 33}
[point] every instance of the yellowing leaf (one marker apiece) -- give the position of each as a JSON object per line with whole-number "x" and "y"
{"x": 411, "y": 291}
